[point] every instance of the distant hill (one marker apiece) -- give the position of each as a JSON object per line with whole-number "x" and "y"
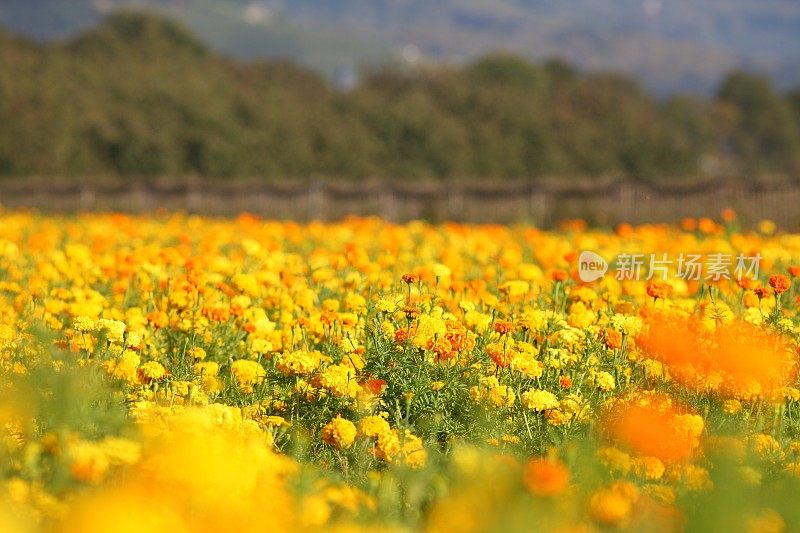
{"x": 684, "y": 45}
{"x": 141, "y": 96}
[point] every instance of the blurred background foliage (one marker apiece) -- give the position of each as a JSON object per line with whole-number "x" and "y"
{"x": 141, "y": 96}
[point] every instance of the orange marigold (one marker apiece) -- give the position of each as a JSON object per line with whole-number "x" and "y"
{"x": 613, "y": 339}
{"x": 780, "y": 283}
{"x": 545, "y": 477}
{"x": 411, "y": 277}
{"x": 658, "y": 289}
{"x": 761, "y": 292}
{"x": 503, "y": 327}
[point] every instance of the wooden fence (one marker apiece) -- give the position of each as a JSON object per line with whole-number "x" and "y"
{"x": 543, "y": 203}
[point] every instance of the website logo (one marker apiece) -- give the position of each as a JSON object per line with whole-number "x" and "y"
{"x": 591, "y": 266}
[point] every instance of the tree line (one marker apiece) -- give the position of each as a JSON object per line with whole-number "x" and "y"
{"x": 139, "y": 96}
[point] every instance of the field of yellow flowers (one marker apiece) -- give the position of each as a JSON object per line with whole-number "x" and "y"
{"x": 178, "y": 373}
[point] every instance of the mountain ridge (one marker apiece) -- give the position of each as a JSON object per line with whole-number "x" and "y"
{"x": 680, "y": 45}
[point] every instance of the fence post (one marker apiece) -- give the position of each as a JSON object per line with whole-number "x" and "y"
{"x": 455, "y": 202}
{"x": 387, "y": 203}
{"x": 87, "y": 199}
{"x": 194, "y": 196}
{"x": 537, "y": 206}
{"x": 316, "y": 200}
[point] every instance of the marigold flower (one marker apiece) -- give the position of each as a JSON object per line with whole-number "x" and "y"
{"x": 604, "y": 381}
{"x": 83, "y": 324}
{"x": 411, "y": 277}
{"x": 153, "y": 370}
{"x": 654, "y": 430}
{"x": 659, "y": 289}
{"x": 780, "y": 283}
{"x": 247, "y": 373}
{"x": 500, "y": 355}
{"x": 741, "y": 359}
{"x": 545, "y": 477}
{"x": 612, "y": 506}
{"x": 340, "y": 433}
{"x": 413, "y": 451}
{"x": 761, "y": 292}
{"x": 728, "y": 215}
{"x": 387, "y": 446}
{"x": 503, "y": 327}
{"x": 115, "y": 329}
{"x": 372, "y": 426}
{"x": 197, "y": 353}
{"x": 613, "y": 339}
{"x": 539, "y": 400}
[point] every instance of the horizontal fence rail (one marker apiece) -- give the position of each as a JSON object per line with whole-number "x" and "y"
{"x": 541, "y": 202}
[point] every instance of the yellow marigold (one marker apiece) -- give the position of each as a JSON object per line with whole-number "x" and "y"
{"x": 650, "y": 468}
{"x": 697, "y": 478}
{"x": 153, "y": 370}
{"x": 527, "y": 364}
{"x": 299, "y": 362}
{"x": 115, "y": 330}
{"x": 558, "y": 417}
{"x": 388, "y": 446}
{"x": 689, "y": 425}
{"x": 387, "y": 329}
{"x": 765, "y": 445}
{"x": 83, "y": 324}
{"x": 576, "y": 406}
{"x": 134, "y": 340}
{"x": 207, "y": 368}
{"x": 339, "y": 380}
{"x": 750, "y": 476}
{"x": 389, "y": 304}
{"x": 612, "y": 505}
{"x": 440, "y": 271}
{"x": 502, "y": 396}
{"x": 791, "y": 393}
{"x": 314, "y": 511}
{"x": 605, "y": 381}
{"x": 275, "y": 421}
{"x": 766, "y": 521}
{"x": 539, "y": 400}
{"x": 653, "y": 368}
{"x": 515, "y": 288}
{"x": 429, "y": 328}
{"x": 373, "y": 425}
{"x": 414, "y": 454}
{"x": 615, "y": 460}
{"x": 792, "y": 469}
{"x": 339, "y": 432}
{"x": 88, "y": 461}
{"x": 661, "y": 493}
{"x": 732, "y": 407}
{"x": 197, "y": 353}
{"x": 247, "y": 373}
{"x": 124, "y": 367}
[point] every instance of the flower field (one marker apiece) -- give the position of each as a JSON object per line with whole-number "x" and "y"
{"x": 179, "y": 373}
